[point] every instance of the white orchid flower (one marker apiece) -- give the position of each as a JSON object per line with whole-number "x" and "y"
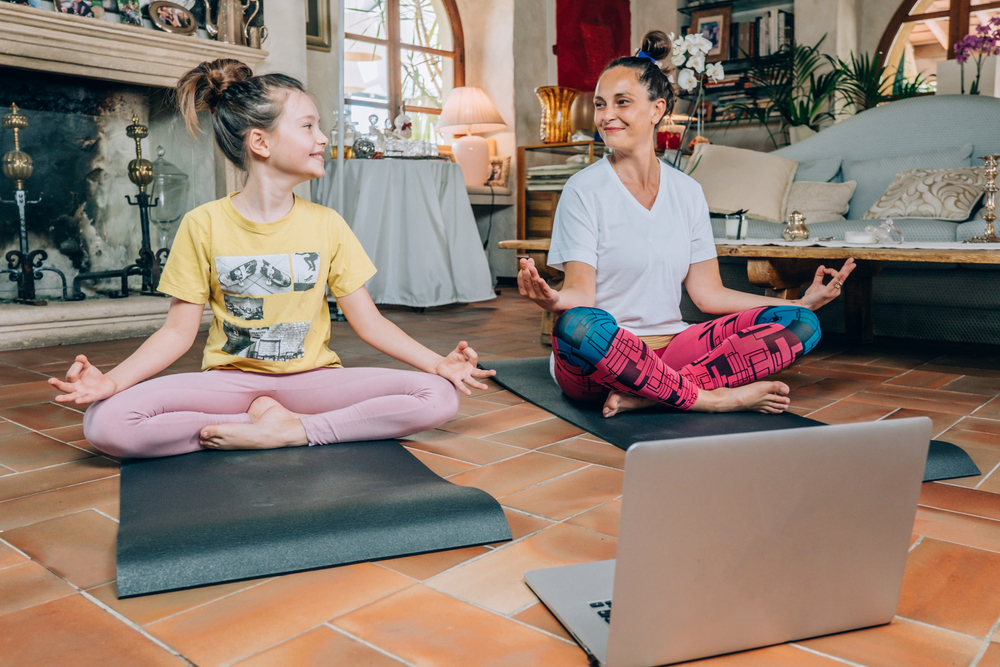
{"x": 697, "y": 62}
{"x": 693, "y": 43}
{"x": 678, "y": 47}
{"x": 678, "y": 58}
{"x": 687, "y": 80}
{"x": 704, "y": 43}
{"x": 715, "y": 72}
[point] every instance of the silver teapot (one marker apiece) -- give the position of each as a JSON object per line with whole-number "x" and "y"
{"x": 795, "y": 229}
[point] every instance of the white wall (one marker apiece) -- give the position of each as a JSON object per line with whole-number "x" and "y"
{"x": 322, "y": 67}
{"x": 652, "y": 15}
{"x": 837, "y": 19}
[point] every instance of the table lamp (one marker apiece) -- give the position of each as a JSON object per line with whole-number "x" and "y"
{"x": 468, "y": 111}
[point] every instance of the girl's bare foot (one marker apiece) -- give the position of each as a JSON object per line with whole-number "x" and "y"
{"x": 767, "y": 396}
{"x": 620, "y": 402}
{"x": 273, "y": 427}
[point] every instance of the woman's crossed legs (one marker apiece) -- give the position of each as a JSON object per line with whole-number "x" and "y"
{"x": 168, "y": 415}
{"x": 597, "y": 360}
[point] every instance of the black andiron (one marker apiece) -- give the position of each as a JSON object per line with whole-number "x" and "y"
{"x": 149, "y": 264}
{"x": 23, "y": 266}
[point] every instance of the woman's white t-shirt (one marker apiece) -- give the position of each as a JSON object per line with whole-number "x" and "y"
{"x": 641, "y": 256}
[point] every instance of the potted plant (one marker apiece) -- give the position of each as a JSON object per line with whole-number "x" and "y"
{"x": 864, "y": 84}
{"x": 792, "y": 88}
{"x": 687, "y": 54}
{"x": 985, "y": 42}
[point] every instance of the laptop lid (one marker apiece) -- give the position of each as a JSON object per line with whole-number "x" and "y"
{"x": 738, "y": 541}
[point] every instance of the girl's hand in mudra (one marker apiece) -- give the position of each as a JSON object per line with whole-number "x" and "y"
{"x": 820, "y": 294}
{"x": 534, "y": 287}
{"x": 85, "y": 383}
{"x": 459, "y": 367}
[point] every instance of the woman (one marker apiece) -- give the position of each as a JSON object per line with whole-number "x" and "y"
{"x": 628, "y": 232}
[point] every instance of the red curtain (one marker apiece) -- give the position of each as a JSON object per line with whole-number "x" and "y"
{"x": 589, "y": 35}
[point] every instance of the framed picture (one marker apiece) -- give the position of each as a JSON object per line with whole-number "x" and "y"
{"x": 713, "y": 25}
{"x": 172, "y": 17}
{"x": 130, "y": 12}
{"x": 318, "y": 25}
{"x": 499, "y": 171}
{"x": 91, "y": 8}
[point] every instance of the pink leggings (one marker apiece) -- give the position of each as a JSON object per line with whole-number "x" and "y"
{"x": 164, "y": 416}
{"x": 594, "y": 355}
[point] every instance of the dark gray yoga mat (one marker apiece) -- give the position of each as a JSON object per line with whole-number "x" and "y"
{"x": 210, "y": 517}
{"x": 530, "y": 379}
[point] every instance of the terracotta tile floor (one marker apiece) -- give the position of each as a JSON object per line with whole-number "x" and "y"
{"x": 561, "y": 491}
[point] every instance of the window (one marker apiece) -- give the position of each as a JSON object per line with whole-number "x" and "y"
{"x": 923, "y": 32}
{"x": 402, "y": 53}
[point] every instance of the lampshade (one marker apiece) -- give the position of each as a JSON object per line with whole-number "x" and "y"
{"x": 469, "y": 110}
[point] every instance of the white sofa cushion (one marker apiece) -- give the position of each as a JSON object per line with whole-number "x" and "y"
{"x": 821, "y": 202}
{"x": 946, "y": 194}
{"x": 736, "y": 178}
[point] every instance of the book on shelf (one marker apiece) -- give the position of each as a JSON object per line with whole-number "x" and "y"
{"x": 786, "y": 28}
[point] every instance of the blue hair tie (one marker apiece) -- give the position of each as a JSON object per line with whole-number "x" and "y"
{"x": 643, "y": 54}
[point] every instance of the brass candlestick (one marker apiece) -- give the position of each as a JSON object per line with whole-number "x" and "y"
{"x": 149, "y": 264}
{"x": 990, "y": 204}
{"x": 24, "y": 266}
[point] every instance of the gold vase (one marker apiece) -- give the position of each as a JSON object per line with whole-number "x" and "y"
{"x": 556, "y": 102}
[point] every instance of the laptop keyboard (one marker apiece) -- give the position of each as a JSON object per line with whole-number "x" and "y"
{"x": 602, "y": 608}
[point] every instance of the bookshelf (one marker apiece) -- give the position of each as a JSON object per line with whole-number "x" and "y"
{"x": 738, "y": 6}
{"x": 755, "y": 27}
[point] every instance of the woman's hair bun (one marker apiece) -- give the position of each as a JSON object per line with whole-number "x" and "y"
{"x": 656, "y": 44}
{"x": 201, "y": 89}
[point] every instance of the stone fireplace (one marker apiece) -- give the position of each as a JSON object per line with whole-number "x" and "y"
{"x": 78, "y": 81}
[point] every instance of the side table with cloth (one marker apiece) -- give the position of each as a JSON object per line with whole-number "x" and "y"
{"x": 414, "y": 219}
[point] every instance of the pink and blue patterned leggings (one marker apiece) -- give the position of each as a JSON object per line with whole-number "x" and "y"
{"x": 594, "y": 355}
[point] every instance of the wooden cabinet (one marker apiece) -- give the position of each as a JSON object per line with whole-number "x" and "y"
{"x": 536, "y": 208}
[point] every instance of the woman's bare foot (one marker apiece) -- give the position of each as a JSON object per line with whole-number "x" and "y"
{"x": 620, "y": 402}
{"x": 273, "y": 426}
{"x": 767, "y": 396}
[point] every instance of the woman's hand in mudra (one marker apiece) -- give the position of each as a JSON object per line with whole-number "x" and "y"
{"x": 820, "y": 294}
{"x": 534, "y": 287}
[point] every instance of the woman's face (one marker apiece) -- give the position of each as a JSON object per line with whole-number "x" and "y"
{"x": 623, "y": 112}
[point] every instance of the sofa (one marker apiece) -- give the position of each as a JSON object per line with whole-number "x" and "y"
{"x": 947, "y": 302}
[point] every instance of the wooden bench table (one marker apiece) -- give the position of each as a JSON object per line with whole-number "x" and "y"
{"x": 782, "y": 270}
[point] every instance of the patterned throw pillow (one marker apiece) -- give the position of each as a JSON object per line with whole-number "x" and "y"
{"x": 945, "y": 194}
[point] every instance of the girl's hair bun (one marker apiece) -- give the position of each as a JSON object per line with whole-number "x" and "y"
{"x": 656, "y": 44}
{"x": 201, "y": 89}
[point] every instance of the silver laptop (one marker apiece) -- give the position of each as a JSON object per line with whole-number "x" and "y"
{"x": 733, "y": 542}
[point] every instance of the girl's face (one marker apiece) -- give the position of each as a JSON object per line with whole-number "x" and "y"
{"x": 296, "y": 145}
{"x": 623, "y": 112}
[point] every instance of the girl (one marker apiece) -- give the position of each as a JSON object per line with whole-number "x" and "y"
{"x": 628, "y": 232}
{"x": 263, "y": 259}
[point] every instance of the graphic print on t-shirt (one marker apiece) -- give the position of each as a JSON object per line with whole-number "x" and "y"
{"x": 244, "y": 307}
{"x": 256, "y": 276}
{"x": 305, "y": 268}
{"x": 280, "y": 342}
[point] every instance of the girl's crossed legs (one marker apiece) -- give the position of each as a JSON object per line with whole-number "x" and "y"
{"x": 165, "y": 416}
{"x": 594, "y": 356}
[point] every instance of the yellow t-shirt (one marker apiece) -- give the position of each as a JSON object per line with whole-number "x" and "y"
{"x": 266, "y": 283}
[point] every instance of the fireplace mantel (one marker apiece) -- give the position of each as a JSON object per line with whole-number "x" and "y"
{"x": 48, "y": 41}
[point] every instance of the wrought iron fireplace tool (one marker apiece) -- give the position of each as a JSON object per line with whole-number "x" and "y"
{"x": 23, "y": 266}
{"x": 149, "y": 264}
